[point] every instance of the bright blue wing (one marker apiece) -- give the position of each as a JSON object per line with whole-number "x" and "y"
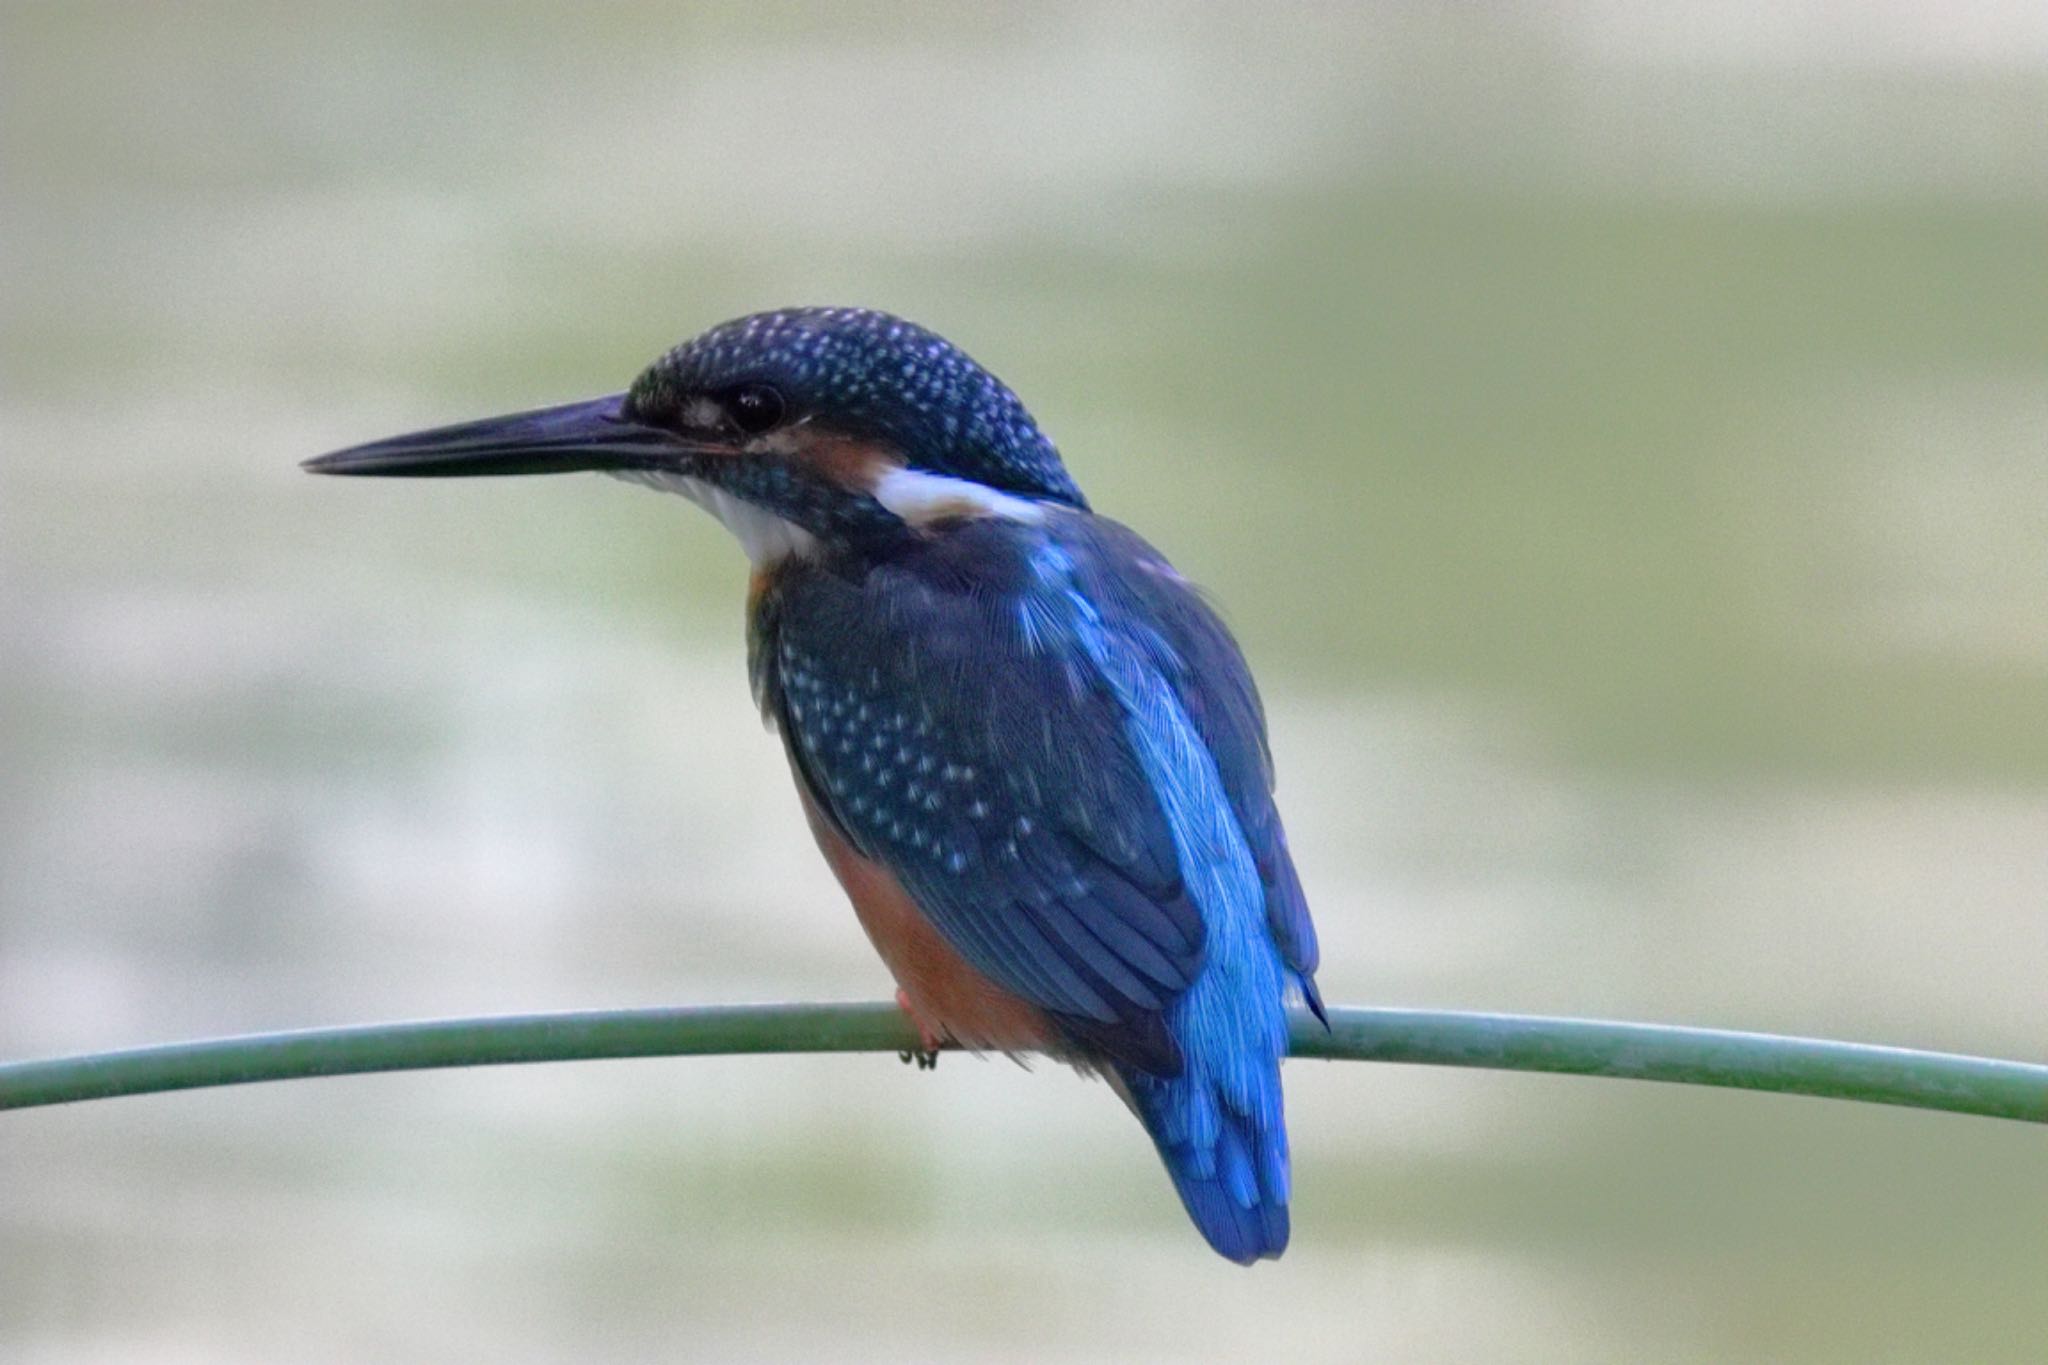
{"x": 1146, "y": 601}
{"x": 1193, "y": 715}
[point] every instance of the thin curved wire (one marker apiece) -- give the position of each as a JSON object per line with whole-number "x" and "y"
{"x": 1508, "y": 1042}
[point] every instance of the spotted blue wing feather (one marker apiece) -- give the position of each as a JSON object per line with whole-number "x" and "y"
{"x": 931, "y": 719}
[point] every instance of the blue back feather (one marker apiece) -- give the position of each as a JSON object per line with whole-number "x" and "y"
{"x": 1219, "y": 1126}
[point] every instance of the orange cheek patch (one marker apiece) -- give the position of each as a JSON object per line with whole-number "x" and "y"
{"x": 851, "y": 464}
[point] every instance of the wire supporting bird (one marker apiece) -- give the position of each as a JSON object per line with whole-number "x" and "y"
{"x": 1030, "y": 751}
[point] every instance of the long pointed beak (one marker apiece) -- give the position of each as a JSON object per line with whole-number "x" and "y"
{"x": 593, "y": 434}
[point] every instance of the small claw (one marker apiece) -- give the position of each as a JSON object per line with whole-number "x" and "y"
{"x": 927, "y": 1054}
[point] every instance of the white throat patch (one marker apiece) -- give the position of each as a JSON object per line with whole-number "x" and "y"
{"x": 766, "y": 538}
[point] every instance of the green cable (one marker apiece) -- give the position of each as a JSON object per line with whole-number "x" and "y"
{"x": 1507, "y": 1042}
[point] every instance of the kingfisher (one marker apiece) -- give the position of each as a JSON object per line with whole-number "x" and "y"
{"x": 1029, "y": 749}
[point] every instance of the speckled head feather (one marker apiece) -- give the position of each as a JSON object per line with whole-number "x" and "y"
{"x": 874, "y": 377}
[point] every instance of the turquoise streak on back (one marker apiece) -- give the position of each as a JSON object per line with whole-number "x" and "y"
{"x": 1220, "y": 1126}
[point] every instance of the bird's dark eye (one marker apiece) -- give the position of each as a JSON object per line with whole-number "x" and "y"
{"x": 755, "y": 408}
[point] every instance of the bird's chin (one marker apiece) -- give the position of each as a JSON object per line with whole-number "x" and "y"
{"x": 766, "y": 538}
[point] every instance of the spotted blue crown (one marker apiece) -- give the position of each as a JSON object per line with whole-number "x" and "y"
{"x": 873, "y": 376}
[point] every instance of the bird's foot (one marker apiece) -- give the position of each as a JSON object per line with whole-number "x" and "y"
{"x": 927, "y": 1054}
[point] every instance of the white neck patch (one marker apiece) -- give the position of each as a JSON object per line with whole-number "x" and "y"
{"x": 921, "y": 499}
{"x": 766, "y": 538}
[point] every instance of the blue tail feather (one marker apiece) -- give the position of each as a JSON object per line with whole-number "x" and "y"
{"x": 1229, "y": 1167}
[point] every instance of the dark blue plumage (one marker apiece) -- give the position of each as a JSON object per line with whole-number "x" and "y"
{"x": 1051, "y": 741}
{"x": 1030, "y": 750}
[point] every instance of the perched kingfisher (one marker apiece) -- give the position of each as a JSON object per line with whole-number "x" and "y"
{"x": 1028, "y": 748}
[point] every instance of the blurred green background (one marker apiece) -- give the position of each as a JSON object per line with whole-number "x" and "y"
{"x": 1616, "y": 431}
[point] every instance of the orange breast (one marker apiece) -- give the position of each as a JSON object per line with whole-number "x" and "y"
{"x": 949, "y": 997}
